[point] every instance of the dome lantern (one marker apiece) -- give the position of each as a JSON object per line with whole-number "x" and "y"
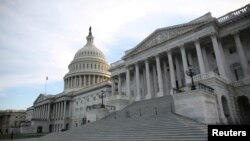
{"x": 90, "y": 37}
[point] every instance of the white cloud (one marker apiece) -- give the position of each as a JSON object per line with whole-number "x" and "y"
{"x": 40, "y": 38}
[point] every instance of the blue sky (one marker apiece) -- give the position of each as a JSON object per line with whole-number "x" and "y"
{"x": 39, "y": 38}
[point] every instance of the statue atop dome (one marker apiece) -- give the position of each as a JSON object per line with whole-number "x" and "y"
{"x": 90, "y": 37}
{"x": 90, "y": 33}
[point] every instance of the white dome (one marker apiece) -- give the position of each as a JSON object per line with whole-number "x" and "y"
{"x": 88, "y": 67}
{"x": 89, "y": 51}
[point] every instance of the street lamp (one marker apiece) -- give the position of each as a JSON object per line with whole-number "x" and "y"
{"x": 102, "y": 96}
{"x": 190, "y": 73}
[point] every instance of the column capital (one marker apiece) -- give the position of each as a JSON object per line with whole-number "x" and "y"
{"x": 235, "y": 33}
{"x": 169, "y": 52}
{"x": 181, "y": 45}
{"x": 157, "y": 56}
{"x": 196, "y": 41}
{"x": 213, "y": 34}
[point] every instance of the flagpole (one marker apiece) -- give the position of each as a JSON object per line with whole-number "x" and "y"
{"x": 46, "y": 84}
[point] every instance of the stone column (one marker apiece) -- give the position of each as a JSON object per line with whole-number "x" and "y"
{"x": 93, "y": 79}
{"x": 159, "y": 75}
{"x": 128, "y": 81}
{"x": 75, "y": 81}
{"x": 148, "y": 80}
{"x": 48, "y": 115}
{"x": 219, "y": 55}
{"x": 185, "y": 65}
{"x": 42, "y": 112}
{"x": 64, "y": 110}
{"x": 119, "y": 84}
{"x": 243, "y": 59}
{"x": 178, "y": 72}
{"x": 204, "y": 53}
{"x": 34, "y": 113}
{"x": 137, "y": 77}
{"x": 61, "y": 114}
{"x": 154, "y": 80}
{"x": 171, "y": 69}
{"x": 113, "y": 85}
{"x": 80, "y": 80}
{"x": 71, "y": 82}
{"x": 89, "y": 80}
{"x": 52, "y": 112}
{"x": 56, "y": 110}
{"x": 200, "y": 57}
{"x": 166, "y": 77}
{"x": 84, "y": 81}
{"x": 38, "y": 112}
{"x": 67, "y": 82}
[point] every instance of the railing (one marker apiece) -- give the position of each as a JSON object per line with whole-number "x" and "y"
{"x": 210, "y": 74}
{"x": 233, "y": 14}
{"x": 205, "y": 87}
{"x": 237, "y": 83}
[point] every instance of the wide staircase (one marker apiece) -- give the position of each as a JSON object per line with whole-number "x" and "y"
{"x": 146, "y": 120}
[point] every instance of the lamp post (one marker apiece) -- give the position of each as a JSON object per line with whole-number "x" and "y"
{"x": 102, "y": 96}
{"x": 190, "y": 73}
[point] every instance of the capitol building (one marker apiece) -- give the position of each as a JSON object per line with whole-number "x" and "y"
{"x": 202, "y": 67}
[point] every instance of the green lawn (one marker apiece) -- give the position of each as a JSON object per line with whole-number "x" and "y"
{"x": 20, "y": 136}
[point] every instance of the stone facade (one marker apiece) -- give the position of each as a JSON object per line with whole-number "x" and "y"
{"x": 216, "y": 49}
{"x": 10, "y": 120}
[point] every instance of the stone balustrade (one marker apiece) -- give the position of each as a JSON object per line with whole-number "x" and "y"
{"x": 208, "y": 75}
{"x": 233, "y": 14}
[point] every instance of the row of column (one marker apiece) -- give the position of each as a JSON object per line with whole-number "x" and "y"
{"x": 55, "y": 111}
{"x": 202, "y": 61}
{"x": 117, "y": 79}
{"x": 59, "y": 110}
{"x": 83, "y": 80}
{"x": 42, "y": 112}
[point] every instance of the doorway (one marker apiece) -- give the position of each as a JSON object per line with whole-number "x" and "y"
{"x": 244, "y": 107}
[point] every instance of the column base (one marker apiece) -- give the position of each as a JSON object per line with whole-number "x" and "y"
{"x": 160, "y": 94}
{"x": 148, "y": 96}
{"x": 138, "y": 98}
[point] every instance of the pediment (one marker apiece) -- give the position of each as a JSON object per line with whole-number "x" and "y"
{"x": 165, "y": 34}
{"x": 40, "y": 98}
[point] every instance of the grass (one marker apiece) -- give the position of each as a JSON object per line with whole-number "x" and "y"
{"x": 20, "y": 136}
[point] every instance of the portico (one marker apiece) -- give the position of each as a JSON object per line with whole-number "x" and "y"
{"x": 145, "y": 66}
